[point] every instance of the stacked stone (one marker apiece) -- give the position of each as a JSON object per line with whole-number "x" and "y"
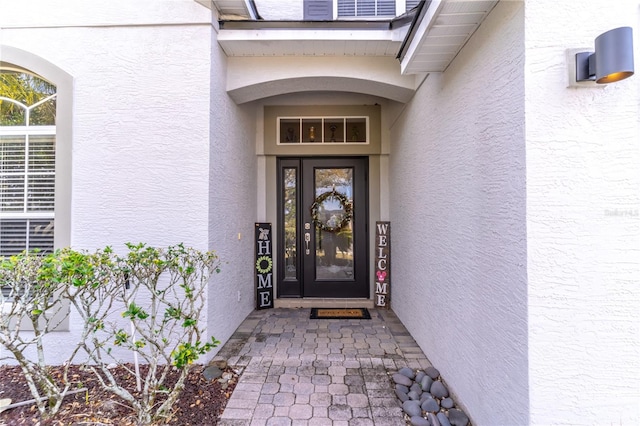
{"x": 425, "y": 399}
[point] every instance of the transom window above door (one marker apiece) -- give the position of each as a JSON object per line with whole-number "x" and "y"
{"x": 318, "y": 130}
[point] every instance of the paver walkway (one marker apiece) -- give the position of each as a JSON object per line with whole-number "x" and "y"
{"x": 317, "y": 372}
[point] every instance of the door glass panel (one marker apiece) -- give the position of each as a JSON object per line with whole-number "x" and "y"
{"x": 290, "y": 222}
{"x": 334, "y": 244}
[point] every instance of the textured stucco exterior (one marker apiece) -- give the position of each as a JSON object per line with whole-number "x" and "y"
{"x": 583, "y": 225}
{"x": 290, "y": 10}
{"x": 457, "y": 185}
{"x": 252, "y": 78}
{"x": 232, "y": 202}
{"x": 513, "y": 199}
{"x": 143, "y": 168}
{"x": 516, "y": 227}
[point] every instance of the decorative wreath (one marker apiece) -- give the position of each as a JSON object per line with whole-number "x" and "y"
{"x": 264, "y": 264}
{"x": 330, "y": 226}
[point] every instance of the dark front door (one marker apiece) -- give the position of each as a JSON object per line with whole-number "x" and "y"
{"x": 323, "y": 227}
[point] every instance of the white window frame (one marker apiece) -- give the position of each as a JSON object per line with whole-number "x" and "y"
{"x": 321, "y": 138}
{"x": 63, "y": 81}
{"x": 400, "y": 9}
{"x": 29, "y": 131}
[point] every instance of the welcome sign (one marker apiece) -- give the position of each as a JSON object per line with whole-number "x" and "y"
{"x": 264, "y": 266}
{"x": 383, "y": 267}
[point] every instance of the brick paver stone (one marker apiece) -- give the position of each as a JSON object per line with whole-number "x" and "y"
{"x": 357, "y": 400}
{"x": 302, "y": 372}
{"x": 283, "y": 399}
{"x": 299, "y": 411}
{"x": 340, "y": 412}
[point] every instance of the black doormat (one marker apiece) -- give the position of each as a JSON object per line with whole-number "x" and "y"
{"x": 340, "y": 313}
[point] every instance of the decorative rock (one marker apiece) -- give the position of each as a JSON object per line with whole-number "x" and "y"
{"x": 220, "y": 363}
{"x": 425, "y": 383}
{"x": 447, "y": 403}
{"x": 402, "y": 396}
{"x": 438, "y": 390}
{"x": 212, "y": 372}
{"x": 430, "y": 405}
{"x": 433, "y": 419}
{"x": 413, "y": 396}
{"x": 406, "y": 371}
{"x": 412, "y": 408}
{"x": 402, "y": 379}
{"x": 432, "y": 372}
{"x": 444, "y": 421}
{"x": 402, "y": 388}
{"x": 419, "y": 421}
{"x": 422, "y": 392}
{"x": 458, "y": 418}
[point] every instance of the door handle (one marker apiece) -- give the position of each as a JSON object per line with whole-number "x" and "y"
{"x": 307, "y": 239}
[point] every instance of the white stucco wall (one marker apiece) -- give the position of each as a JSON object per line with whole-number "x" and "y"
{"x": 140, "y": 118}
{"x": 232, "y": 202}
{"x": 278, "y": 10}
{"x": 583, "y": 223}
{"x": 141, "y": 130}
{"x": 252, "y": 78}
{"x": 458, "y": 221}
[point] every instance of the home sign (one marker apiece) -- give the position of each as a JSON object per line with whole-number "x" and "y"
{"x": 264, "y": 266}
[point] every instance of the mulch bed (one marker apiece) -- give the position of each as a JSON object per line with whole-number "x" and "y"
{"x": 200, "y": 403}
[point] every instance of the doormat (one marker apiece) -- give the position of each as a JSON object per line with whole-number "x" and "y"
{"x": 340, "y": 313}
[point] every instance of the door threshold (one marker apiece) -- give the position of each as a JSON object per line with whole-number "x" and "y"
{"x": 324, "y": 303}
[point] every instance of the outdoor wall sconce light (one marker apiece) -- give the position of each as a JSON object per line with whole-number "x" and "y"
{"x": 612, "y": 60}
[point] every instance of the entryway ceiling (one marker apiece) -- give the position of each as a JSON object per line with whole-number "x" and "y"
{"x": 433, "y": 41}
{"x": 423, "y": 41}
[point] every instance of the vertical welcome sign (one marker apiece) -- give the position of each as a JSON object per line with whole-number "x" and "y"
{"x": 264, "y": 266}
{"x": 383, "y": 267}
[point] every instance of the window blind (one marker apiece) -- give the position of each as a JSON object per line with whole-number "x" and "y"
{"x": 366, "y": 8}
{"x": 27, "y": 193}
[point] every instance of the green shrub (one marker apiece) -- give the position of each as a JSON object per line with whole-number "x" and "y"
{"x": 148, "y": 301}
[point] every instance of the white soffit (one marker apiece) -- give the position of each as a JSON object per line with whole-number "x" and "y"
{"x": 444, "y": 30}
{"x": 230, "y": 9}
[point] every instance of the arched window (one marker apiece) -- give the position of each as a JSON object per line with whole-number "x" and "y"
{"x": 27, "y": 161}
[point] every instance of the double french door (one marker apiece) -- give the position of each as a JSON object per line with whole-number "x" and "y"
{"x": 322, "y": 223}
